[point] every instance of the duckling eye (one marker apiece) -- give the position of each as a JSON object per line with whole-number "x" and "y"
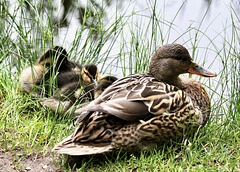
{"x": 47, "y": 65}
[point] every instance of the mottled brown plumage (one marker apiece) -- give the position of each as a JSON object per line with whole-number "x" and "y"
{"x": 141, "y": 111}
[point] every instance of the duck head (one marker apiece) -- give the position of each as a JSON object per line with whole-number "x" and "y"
{"x": 169, "y": 61}
{"x": 90, "y": 73}
{"x": 57, "y": 54}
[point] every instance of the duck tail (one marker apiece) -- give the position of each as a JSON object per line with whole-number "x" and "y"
{"x": 67, "y": 146}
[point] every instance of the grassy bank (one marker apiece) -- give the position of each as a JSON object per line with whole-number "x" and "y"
{"x": 29, "y": 131}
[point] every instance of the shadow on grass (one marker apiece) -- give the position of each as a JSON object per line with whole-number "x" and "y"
{"x": 116, "y": 160}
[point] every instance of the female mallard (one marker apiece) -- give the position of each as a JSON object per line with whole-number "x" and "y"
{"x": 140, "y": 111}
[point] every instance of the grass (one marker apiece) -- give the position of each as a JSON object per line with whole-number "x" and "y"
{"x": 27, "y": 128}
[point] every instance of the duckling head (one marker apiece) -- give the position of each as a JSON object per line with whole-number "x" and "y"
{"x": 169, "y": 61}
{"x": 57, "y": 54}
{"x": 89, "y": 73}
{"x": 103, "y": 83}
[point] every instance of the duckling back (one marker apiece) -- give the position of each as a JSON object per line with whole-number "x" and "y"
{"x": 103, "y": 83}
{"x": 31, "y": 75}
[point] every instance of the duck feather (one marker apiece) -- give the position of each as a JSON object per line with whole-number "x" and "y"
{"x": 146, "y": 97}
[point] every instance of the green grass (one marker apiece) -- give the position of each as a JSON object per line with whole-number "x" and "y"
{"x": 26, "y": 127}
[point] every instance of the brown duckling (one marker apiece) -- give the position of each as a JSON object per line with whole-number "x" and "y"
{"x": 140, "y": 111}
{"x": 36, "y": 75}
{"x": 102, "y": 84}
{"x": 73, "y": 87}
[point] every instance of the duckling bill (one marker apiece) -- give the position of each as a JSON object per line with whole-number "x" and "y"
{"x": 141, "y": 111}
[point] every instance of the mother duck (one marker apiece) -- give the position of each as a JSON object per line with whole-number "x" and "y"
{"x": 140, "y": 111}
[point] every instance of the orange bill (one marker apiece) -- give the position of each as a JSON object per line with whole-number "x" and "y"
{"x": 198, "y": 70}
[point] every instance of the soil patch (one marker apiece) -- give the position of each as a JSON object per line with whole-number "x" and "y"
{"x": 17, "y": 161}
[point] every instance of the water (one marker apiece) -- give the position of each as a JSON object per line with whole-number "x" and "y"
{"x": 185, "y": 16}
{"x": 211, "y": 17}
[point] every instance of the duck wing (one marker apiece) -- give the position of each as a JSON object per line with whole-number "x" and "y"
{"x": 135, "y": 98}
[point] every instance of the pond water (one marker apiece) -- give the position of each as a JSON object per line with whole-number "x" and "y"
{"x": 213, "y": 18}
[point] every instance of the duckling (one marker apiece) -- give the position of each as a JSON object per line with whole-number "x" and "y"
{"x": 39, "y": 73}
{"x": 68, "y": 95}
{"x": 141, "y": 111}
{"x": 103, "y": 83}
{"x": 72, "y": 87}
{"x": 88, "y": 74}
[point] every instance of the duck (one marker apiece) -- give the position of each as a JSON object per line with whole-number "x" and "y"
{"x": 73, "y": 87}
{"x": 37, "y": 74}
{"x": 54, "y": 70}
{"x": 77, "y": 90}
{"x": 102, "y": 84}
{"x": 141, "y": 111}
{"x": 86, "y": 74}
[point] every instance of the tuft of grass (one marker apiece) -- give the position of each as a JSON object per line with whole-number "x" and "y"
{"x": 27, "y": 128}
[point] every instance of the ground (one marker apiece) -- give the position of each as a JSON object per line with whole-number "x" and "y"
{"x": 16, "y": 161}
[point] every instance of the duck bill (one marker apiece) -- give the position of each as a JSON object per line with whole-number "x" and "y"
{"x": 198, "y": 70}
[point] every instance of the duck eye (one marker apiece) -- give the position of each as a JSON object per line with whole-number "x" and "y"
{"x": 47, "y": 64}
{"x": 196, "y": 66}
